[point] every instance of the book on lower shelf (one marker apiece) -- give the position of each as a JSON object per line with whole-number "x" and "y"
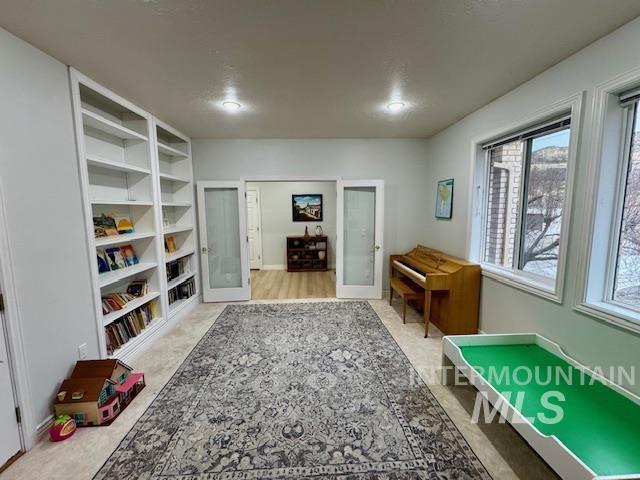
{"x": 129, "y": 326}
{"x": 175, "y": 269}
{"x": 183, "y": 291}
{"x": 112, "y": 302}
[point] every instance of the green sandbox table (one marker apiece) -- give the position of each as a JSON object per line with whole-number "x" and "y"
{"x": 600, "y": 426}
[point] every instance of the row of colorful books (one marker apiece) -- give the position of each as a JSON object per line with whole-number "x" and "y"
{"x": 129, "y": 326}
{"x": 116, "y": 258}
{"x": 117, "y": 301}
{"x": 107, "y": 225}
{"x": 184, "y": 290}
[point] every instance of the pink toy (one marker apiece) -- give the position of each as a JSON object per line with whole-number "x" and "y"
{"x": 63, "y": 427}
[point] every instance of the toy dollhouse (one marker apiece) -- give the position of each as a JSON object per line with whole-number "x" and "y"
{"x": 97, "y": 391}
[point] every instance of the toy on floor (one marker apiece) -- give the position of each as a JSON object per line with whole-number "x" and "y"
{"x": 63, "y": 427}
{"x": 97, "y": 391}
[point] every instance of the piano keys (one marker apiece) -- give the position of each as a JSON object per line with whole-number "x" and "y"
{"x": 451, "y": 288}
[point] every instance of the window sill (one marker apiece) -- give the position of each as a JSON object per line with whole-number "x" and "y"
{"x": 619, "y": 316}
{"x": 525, "y": 284}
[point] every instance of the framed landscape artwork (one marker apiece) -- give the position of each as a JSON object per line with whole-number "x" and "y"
{"x": 307, "y": 207}
{"x": 444, "y": 199}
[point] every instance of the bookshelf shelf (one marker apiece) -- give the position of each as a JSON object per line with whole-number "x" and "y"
{"x": 180, "y": 304}
{"x": 118, "y": 166}
{"x": 142, "y": 203}
{"x": 129, "y": 307}
{"x": 103, "y": 124}
{"x": 174, "y": 178}
{"x": 122, "y": 239}
{"x": 177, "y": 229}
{"x": 170, "y": 257}
{"x": 109, "y": 278}
{"x": 124, "y": 153}
{"x": 170, "y": 151}
{"x": 178, "y": 280}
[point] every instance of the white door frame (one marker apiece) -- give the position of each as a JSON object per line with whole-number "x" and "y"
{"x": 224, "y": 294}
{"x": 291, "y": 178}
{"x": 360, "y": 291}
{"x": 259, "y": 236}
{"x": 15, "y": 337}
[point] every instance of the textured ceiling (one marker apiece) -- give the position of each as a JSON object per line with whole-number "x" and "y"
{"x": 312, "y": 69}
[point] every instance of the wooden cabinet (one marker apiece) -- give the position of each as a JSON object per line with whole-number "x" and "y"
{"x": 307, "y": 254}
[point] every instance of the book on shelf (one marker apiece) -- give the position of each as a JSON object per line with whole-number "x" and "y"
{"x": 112, "y": 302}
{"x": 129, "y": 255}
{"x": 115, "y": 301}
{"x": 183, "y": 291}
{"x": 129, "y": 326}
{"x": 138, "y": 288}
{"x": 115, "y": 258}
{"x": 104, "y": 226}
{"x": 170, "y": 244}
{"x": 123, "y": 224}
{"x": 175, "y": 269}
{"x": 103, "y": 264}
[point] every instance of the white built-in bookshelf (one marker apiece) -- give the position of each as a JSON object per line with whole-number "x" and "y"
{"x": 178, "y": 213}
{"x": 136, "y": 168}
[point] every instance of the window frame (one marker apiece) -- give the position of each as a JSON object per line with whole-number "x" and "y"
{"x": 603, "y": 211}
{"x": 628, "y": 114}
{"x": 550, "y": 289}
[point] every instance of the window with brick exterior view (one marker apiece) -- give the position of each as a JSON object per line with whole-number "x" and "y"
{"x": 526, "y": 186}
{"x": 505, "y": 169}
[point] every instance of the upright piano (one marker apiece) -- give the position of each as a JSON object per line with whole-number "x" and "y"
{"x": 451, "y": 288}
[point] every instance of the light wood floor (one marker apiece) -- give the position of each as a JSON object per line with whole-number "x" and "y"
{"x": 271, "y": 284}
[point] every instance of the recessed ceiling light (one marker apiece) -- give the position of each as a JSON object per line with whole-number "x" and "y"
{"x": 395, "y": 107}
{"x": 231, "y": 106}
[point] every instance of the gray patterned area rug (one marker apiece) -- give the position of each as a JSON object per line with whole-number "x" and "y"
{"x": 295, "y": 390}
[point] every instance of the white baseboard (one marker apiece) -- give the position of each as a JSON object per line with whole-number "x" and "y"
{"x": 274, "y": 267}
{"x": 42, "y": 429}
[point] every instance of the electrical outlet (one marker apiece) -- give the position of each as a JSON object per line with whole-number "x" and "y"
{"x": 82, "y": 351}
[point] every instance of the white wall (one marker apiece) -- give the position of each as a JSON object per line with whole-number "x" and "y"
{"x": 400, "y": 163}
{"x": 505, "y": 309}
{"x": 41, "y": 188}
{"x": 277, "y": 223}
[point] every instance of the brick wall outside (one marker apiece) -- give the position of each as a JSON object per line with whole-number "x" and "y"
{"x": 503, "y": 197}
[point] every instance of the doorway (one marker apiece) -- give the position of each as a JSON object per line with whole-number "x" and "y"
{"x": 314, "y": 232}
{"x": 292, "y": 228}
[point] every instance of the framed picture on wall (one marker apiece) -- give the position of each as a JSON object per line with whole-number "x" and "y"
{"x": 307, "y": 207}
{"x": 444, "y": 199}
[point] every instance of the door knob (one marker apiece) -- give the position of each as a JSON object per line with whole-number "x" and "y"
{"x": 205, "y": 250}
{"x": 377, "y": 247}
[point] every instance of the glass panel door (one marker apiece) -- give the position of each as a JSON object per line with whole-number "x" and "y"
{"x": 223, "y": 246}
{"x": 359, "y": 249}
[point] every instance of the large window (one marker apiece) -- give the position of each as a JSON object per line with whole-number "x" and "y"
{"x": 626, "y": 276}
{"x": 526, "y": 181}
{"x": 610, "y": 274}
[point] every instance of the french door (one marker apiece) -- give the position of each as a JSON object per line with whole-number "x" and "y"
{"x": 223, "y": 241}
{"x": 359, "y": 247}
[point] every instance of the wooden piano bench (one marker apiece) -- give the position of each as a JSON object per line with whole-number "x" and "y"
{"x": 407, "y": 291}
